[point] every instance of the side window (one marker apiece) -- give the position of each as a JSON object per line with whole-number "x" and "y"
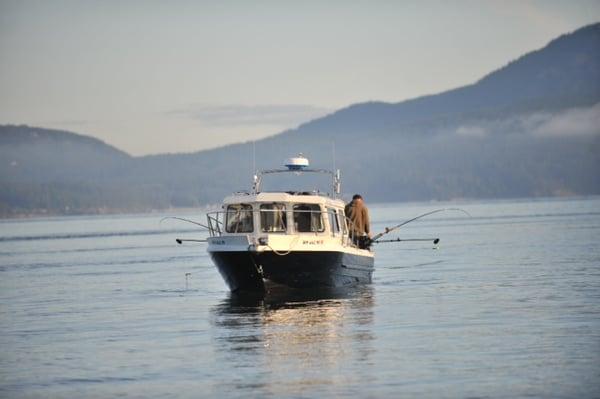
{"x": 333, "y": 221}
{"x": 342, "y": 221}
{"x": 273, "y": 218}
{"x": 239, "y": 219}
{"x": 308, "y": 218}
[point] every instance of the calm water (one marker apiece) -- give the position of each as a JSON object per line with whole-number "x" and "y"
{"x": 507, "y": 306}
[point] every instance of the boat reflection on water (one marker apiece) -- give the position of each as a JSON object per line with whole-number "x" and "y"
{"x": 292, "y": 340}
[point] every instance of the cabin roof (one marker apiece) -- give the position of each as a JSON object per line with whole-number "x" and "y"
{"x": 287, "y": 197}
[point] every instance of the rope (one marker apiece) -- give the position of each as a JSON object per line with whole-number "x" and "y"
{"x": 284, "y": 253}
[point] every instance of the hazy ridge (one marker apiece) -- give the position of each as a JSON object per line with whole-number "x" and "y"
{"x": 531, "y": 128}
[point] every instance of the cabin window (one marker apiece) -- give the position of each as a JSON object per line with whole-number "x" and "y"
{"x": 308, "y": 218}
{"x": 333, "y": 221}
{"x": 342, "y": 220}
{"x": 273, "y": 218}
{"x": 239, "y": 219}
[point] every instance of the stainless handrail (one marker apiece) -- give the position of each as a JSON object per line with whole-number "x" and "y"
{"x": 336, "y": 178}
{"x": 216, "y": 219}
{"x": 217, "y": 226}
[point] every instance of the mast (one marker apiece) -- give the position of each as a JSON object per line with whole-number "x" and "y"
{"x": 298, "y": 165}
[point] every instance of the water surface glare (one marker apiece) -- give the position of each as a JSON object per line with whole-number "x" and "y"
{"x": 507, "y": 305}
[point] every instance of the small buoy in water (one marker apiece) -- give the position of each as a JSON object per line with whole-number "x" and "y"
{"x": 187, "y": 276}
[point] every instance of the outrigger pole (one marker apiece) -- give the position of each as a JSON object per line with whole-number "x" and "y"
{"x": 390, "y": 229}
{"x": 435, "y": 240}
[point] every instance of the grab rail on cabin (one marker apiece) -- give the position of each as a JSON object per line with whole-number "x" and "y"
{"x": 335, "y": 176}
{"x": 240, "y": 222}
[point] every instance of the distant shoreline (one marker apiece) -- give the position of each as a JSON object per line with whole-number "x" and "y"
{"x": 205, "y": 208}
{"x": 105, "y": 212}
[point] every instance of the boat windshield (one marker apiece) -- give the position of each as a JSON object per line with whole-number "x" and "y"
{"x": 273, "y": 218}
{"x": 239, "y": 219}
{"x": 308, "y": 218}
{"x": 334, "y": 224}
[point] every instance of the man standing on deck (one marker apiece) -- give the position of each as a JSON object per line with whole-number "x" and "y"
{"x": 360, "y": 229}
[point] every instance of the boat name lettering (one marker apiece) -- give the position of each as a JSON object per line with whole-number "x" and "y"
{"x": 312, "y": 242}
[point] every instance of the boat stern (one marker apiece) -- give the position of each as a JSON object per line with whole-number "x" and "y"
{"x": 236, "y": 262}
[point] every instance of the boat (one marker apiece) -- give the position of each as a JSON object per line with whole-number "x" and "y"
{"x": 299, "y": 239}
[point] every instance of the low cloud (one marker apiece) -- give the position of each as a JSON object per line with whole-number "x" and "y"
{"x": 471, "y": 131}
{"x": 584, "y": 121}
{"x": 67, "y": 123}
{"x": 285, "y": 115}
{"x": 573, "y": 122}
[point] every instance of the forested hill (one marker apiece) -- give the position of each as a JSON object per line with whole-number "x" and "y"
{"x": 531, "y": 128}
{"x": 564, "y": 74}
{"x": 41, "y": 155}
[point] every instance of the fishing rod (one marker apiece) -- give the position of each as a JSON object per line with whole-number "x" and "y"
{"x": 390, "y": 229}
{"x": 434, "y": 240}
{"x": 182, "y": 240}
{"x": 185, "y": 220}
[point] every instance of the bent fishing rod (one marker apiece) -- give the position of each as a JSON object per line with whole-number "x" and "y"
{"x": 388, "y": 230}
{"x": 185, "y": 220}
{"x": 182, "y": 240}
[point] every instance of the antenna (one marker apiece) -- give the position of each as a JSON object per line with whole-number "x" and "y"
{"x": 336, "y": 174}
{"x": 333, "y": 154}
{"x": 253, "y": 157}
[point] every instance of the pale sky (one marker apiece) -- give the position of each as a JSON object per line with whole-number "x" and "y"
{"x": 180, "y": 76}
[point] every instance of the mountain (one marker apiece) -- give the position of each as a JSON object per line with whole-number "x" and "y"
{"x": 563, "y": 74}
{"x": 55, "y": 171}
{"x": 531, "y": 128}
{"x": 64, "y": 156}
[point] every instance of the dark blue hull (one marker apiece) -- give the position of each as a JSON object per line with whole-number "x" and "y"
{"x": 246, "y": 271}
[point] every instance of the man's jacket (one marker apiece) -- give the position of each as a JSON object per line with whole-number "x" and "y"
{"x": 359, "y": 215}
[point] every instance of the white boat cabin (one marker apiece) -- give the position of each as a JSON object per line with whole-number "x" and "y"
{"x": 284, "y": 219}
{"x": 281, "y": 219}
{"x": 284, "y": 213}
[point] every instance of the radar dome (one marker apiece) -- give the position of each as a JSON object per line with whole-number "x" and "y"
{"x": 297, "y": 163}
